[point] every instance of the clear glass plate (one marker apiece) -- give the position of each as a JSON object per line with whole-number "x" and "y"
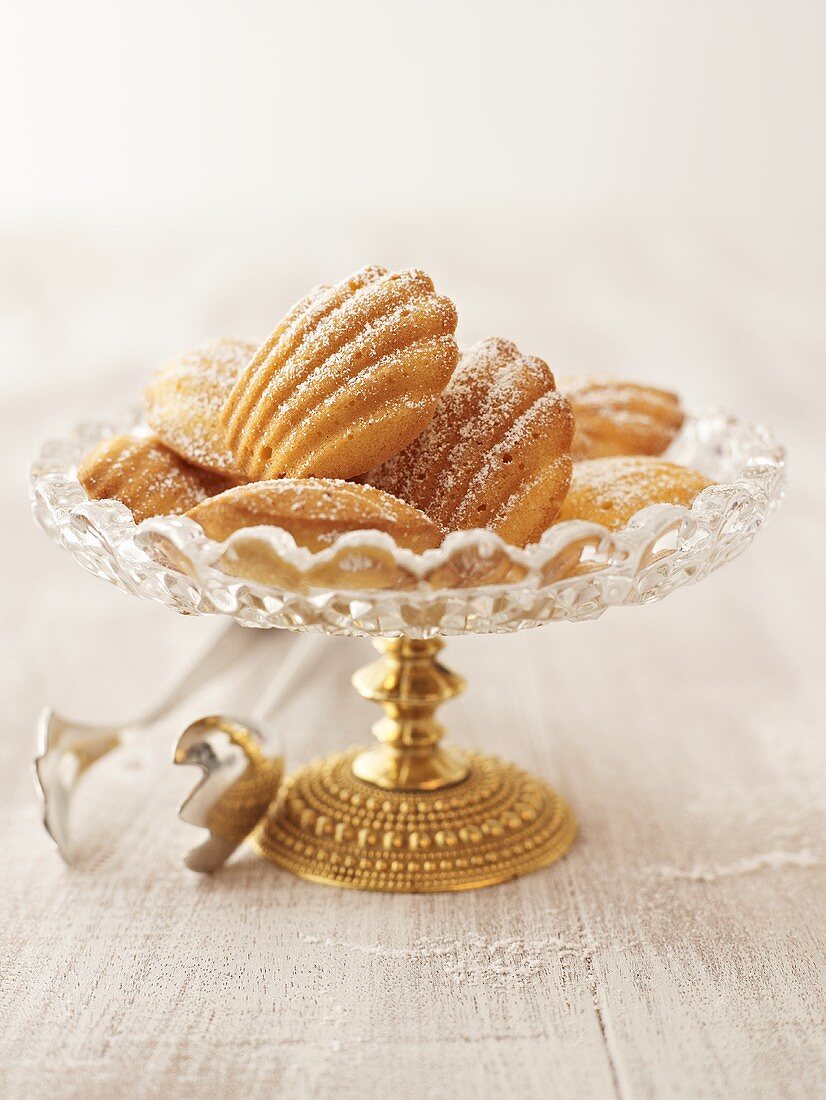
{"x": 475, "y": 583}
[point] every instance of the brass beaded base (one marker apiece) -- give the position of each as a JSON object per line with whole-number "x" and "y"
{"x": 330, "y": 827}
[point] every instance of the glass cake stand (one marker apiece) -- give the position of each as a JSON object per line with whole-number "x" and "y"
{"x": 411, "y": 814}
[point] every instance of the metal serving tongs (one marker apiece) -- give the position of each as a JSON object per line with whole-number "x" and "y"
{"x": 66, "y": 750}
{"x": 243, "y": 765}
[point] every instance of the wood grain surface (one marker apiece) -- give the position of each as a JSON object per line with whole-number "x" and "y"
{"x": 678, "y": 951}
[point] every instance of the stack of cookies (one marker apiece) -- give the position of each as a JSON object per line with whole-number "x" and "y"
{"x": 360, "y": 412}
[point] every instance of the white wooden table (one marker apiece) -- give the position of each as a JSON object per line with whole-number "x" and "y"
{"x": 676, "y": 952}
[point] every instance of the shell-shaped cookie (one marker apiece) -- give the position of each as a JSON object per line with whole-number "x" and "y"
{"x": 350, "y": 376}
{"x": 315, "y": 511}
{"x": 611, "y": 490}
{"x": 615, "y": 417}
{"x": 183, "y": 402}
{"x": 146, "y": 476}
{"x": 497, "y": 452}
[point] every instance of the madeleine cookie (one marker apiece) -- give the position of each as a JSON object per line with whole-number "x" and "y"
{"x": 350, "y": 376}
{"x": 146, "y": 476}
{"x": 497, "y": 452}
{"x": 611, "y": 490}
{"x": 613, "y": 417}
{"x": 315, "y": 511}
{"x": 183, "y": 402}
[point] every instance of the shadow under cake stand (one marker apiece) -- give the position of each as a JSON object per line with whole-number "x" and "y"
{"x": 412, "y": 814}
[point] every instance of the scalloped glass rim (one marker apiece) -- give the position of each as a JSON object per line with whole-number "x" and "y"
{"x": 574, "y": 572}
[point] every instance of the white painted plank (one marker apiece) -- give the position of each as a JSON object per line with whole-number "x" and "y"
{"x": 678, "y": 950}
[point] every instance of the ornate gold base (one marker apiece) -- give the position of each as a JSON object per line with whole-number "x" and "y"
{"x": 408, "y": 815}
{"x": 499, "y": 822}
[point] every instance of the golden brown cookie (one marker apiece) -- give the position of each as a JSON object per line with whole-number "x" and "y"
{"x": 183, "y": 402}
{"x": 146, "y": 476}
{"x": 611, "y": 490}
{"x": 497, "y": 452}
{"x": 315, "y": 511}
{"x": 350, "y": 376}
{"x": 614, "y": 417}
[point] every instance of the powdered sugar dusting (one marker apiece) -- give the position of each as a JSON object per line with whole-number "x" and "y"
{"x": 749, "y": 865}
{"x": 146, "y": 476}
{"x": 353, "y": 349}
{"x": 476, "y": 958}
{"x": 611, "y": 490}
{"x": 184, "y": 401}
{"x": 615, "y": 417}
{"x": 498, "y": 423}
{"x": 316, "y": 511}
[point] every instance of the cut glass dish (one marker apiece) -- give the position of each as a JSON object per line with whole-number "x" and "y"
{"x": 364, "y": 584}
{"x": 412, "y": 815}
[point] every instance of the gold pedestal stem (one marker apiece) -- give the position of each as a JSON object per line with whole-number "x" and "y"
{"x": 408, "y": 815}
{"x": 410, "y": 684}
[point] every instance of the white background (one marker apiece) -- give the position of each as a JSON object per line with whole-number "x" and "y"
{"x": 634, "y": 187}
{"x": 163, "y": 109}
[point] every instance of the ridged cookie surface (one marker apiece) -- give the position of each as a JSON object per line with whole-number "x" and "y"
{"x": 497, "y": 452}
{"x": 146, "y": 476}
{"x": 611, "y": 490}
{"x": 613, "y": 417}
{"x": 350, "y": 376}
{"x": 183, "y": 402}
{"x": 315, "y": 511}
